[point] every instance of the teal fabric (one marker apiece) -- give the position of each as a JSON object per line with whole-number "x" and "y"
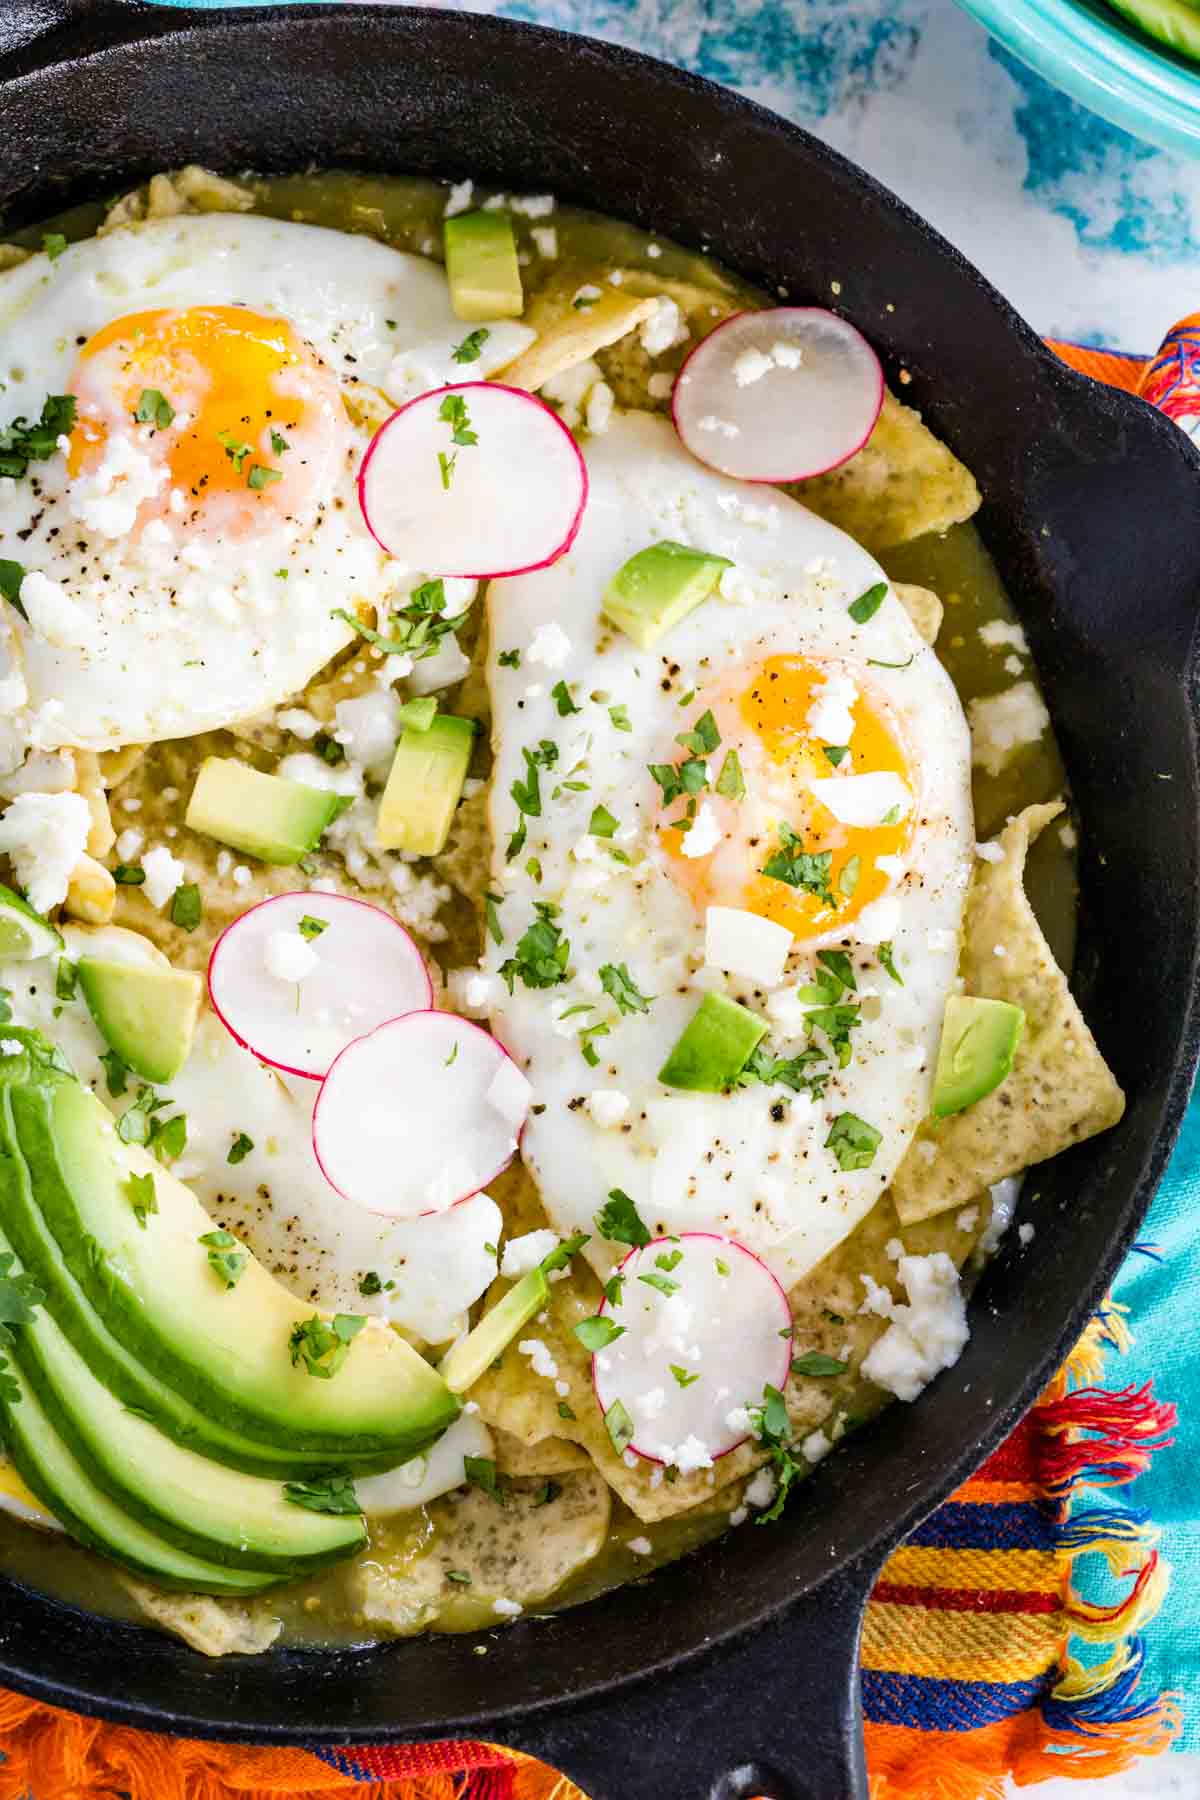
{"x": 1161, "y": 1297}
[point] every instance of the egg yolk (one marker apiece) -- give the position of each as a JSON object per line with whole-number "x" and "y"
{"x": 823, "y": 871}
{"x": 229, "y": 402}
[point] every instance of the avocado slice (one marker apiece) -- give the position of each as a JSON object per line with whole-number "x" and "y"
{"x": 466, "y": 1361}
{"x": 714, "y": 1047}
{"x": 24, "y": 934}
{"x": 225, "y": 1351}
{"x": 482, "y": 267}
{"x": 122, "y": 1373}
{"x": 208, "y": 1511}
{"x": 278, "y": 821}
{"x": 658, "y": 587}
{"x": 145, "y": 1012}
{"x": 53, "y": 1475}
{"x": 1175, "y": 23}
{"x": 979, "y": 1042}
{"x": 425, "y": 785}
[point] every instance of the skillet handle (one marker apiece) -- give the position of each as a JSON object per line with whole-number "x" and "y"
{"x": 777, "y": 1714}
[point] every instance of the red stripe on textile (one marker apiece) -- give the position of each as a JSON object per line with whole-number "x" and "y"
{"x": 1016, "y": 1458}
{"x": 981, "y": 1600}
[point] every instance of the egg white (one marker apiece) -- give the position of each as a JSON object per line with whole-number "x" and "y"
{"x": 165, "y": 638}
{"x": 275, "y": 1200}
{"x": 695, "y": 1162}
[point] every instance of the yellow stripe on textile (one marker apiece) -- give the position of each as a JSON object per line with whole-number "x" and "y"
{"x": 992, "y": 1571}
{"x": 961, "y": 1646}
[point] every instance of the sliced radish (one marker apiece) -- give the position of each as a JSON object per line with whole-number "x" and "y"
{"x": 357, "y": 972}
{"x": 419, "y": 1114}
{"x": 509, "y": 502}
{"x": 706, "y": 1327}
{"x": 778, "y": 395}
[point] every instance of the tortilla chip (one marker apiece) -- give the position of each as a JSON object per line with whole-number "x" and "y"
{"x": 551, "y": 1456}
{"x": 567, "y": 336}
{"x": 213, "y": 1627}
{"x": 90, "y": 782}
{"x": 923, "y": 608}
{"x": 1060, "y": 1090}
{"x": 521, "y": 1550}
{"x": 900, "y": 485}
{"x": 189, "y": 190}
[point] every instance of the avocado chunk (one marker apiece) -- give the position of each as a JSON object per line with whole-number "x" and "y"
{"x": 54, "y": 1477}
{"x": 714, "y": 1047}
{"x": 24, "y": 934}
{"x": 144, "y": 1012}
{"x": 148, "y": 1280}
{"x": 466, "y": 1361}
{"x": 658, "y": 587}
{"x": 278, "y": 821}
{"x": 979, "y": 1042}
{"x": 123, "y": 1374}
{"x": 481, "y": 266}
{"x": 425, "y": 785}
{"x": 208, "y": 1511}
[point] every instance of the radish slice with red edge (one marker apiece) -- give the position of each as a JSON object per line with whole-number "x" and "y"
{"x": 780, "y": 395}
{"x": 360, "y": 969}
{"x": 476, "y": 480}
{"x": 704, "y": 1328}
{"x": 419, "y": 1114}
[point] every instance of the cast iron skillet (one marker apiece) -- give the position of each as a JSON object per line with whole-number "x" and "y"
{"x": 734, "y": 1672}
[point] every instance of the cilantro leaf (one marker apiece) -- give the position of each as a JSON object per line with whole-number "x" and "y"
{"x": 139, "y": 1190}
{"x": 807, "y": 870}
{"x": 836, "y": 753}
{"x": 115, "y": 1073}
{"x": 562, "y": 1254}
{"x": 468, "y": 351}
{"x": 240, "y": 1148}
{"x": 323, "y": 1345}
{"x": 619, "y": 1426}
{"x": 597, "y": 1333}
{"x": 153, "y": 408}
{"x": 187, "y": 907}
{"x": 620, "y": 718}
{"x": 618, "y": 1221}
{"x": 887, "y": 960}
{"x": 226, "y": 1259}
{"x": 853, "y": 1141}
{"x": 620, "y": 986}
{"x": 324, "y": 1494}
{"x": 22, "y": 443}
{"x": 683, "y": 1376}
{"x": 813, "y": 1363}
{"x": 731, "y": 783}
{"x": 703, "y": 738}
{"x": 561, "y": 695}
{"x": 481, "y": 1473}
{"x": 541, "y": 954}
{"x": 12, "y": 574}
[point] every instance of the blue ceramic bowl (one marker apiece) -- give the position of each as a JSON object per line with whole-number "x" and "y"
{"x": 1100, "y": 58}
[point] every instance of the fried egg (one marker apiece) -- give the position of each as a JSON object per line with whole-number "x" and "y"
{"x": 274, "y": 1197}
{"x": 188, "y": 541}
{"x": 862, "y": 856}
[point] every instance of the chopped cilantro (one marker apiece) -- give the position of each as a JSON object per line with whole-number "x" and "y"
{"x": 12, "y": 574}
{"x": 129, "y": 875}
{"x": 323, "y": 1345}
{"x": 670, "y": 1259}
{"x": 460, "y": 1576}
{"x": 549, "y": 1490}
{"x": 168, "y": 1138}
{"x": 262, "y": 475}
{"x": 154, "y": 409}
{"x": 53, "y": 243}
{"x": 66, "y": 979}
{"x": 240, "y": 1148}
{"x": 703, "y": 738}
{"x": 533, "y": 869}
{"x": 115, "y": 1073}
{"x": 813, "y": 1363}
{"x": 491, "y": 914}
{"x": 20, "y": 1297}
{"x": 225, "y": 1259}
{"x": 848, "y": 879}
{"x": 839, "y": 965}
{"x": 328, "y": 749}
{"x": 663, "y": 1283}
{"x": 564, "y": 1411}
{"x": 618, "y": 1221}
{"x": 887, "y": 960}
{"x": 509, "y": 659}
{"x": 22, "y": 443}
{"x": 187, "y": 908}
{"x": 620, "y": 718}
{"x": 601, "y": 824}
{"x": 597, "y": 1333}
{"x": 324, "y": 1494}
{"x": 731, "y": 783}
{"x": 139, "y": 1191}
{"x": 370, "y": 1285}
{"x": 454, "y": 412}
{"x": 614, "y": 1289}
{"x": 795, "y": 1072}
{"x": 133, "y": 1127}
{"x": 310, "y": 928}
{"x": 561, "y": 1256}
{"x": 541, "y": 954}
{"x": 868, "y": 604}
{"x": 836, "y": 753}
{"x": 683, "y": 1376}
{"x": 853, "y": 1141}
{"x": 481, "y": 1473}
{"x": 279, "y": 443}
{"x": 236, "y": 449}
{"x": 620, "y": 986}
{"x": 807, "y": 870}
{"x": 619, "y": 1426}
{"x": 468, "y": 351}
{"x": 561, "y": 695}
